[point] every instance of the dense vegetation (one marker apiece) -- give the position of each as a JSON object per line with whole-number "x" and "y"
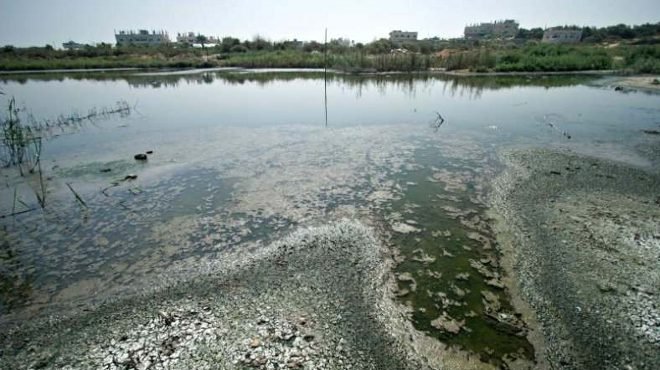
{"x": 620, "y": 47}
{"x": 603, "y": 34}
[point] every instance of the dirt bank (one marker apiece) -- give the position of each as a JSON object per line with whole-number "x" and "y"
{"x": 647, "y": 83}
{"x": 318, "y": 299}
{"x": 584, "y": 242}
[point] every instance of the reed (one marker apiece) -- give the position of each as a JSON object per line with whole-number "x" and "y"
{"x": 78, "y": 197}
{"x": 21, "y": 142}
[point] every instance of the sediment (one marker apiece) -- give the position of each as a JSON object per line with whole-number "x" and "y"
{"x": 582, "y": 240}
{"x": 319, "y": 298}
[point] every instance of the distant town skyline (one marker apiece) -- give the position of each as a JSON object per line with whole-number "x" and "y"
{"x": 40, "y": 22}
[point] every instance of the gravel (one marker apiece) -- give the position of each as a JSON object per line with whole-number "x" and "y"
{"x": 584, "y": 238}
{"x": 317, "y": 299}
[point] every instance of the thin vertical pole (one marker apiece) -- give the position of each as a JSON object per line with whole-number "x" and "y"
{"x": 325, "y": 76}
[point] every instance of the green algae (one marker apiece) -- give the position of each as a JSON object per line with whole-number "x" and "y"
{"x": 446, "y": 282}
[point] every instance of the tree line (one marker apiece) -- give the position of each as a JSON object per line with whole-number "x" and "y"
{"x": 645, "y": 33}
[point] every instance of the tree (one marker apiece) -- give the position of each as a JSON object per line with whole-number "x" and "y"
{"x": 260, "y": 43}
{"x": 381, "y": 46}
{"x": 620, "y": 30}
{"x": 228, "y": 43}
{"x": 238, "y": 49}
{"x": 201, "y": 39}
{"x": 531, "y": 34}
{"x": 313, "y": 46}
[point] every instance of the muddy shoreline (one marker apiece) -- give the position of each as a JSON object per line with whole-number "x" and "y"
{"x": 644, "y": 83}
{"x": 319, "y": 298}
{"x": 156, "y": 71}
{"x": 583, "y": 250}
{"x": 324, "y": 297}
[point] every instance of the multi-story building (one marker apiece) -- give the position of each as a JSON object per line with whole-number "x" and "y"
{"x": 496, "y": 30}
{"x": 561, "y": 35}
{"x": 142, "y": 38}
{"x": 400, "y": 37}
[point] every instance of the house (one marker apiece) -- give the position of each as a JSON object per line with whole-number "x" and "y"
{"x": 494, "y": 30}
{"x": 562, "y": 35}
{"x": 141, "y": 38}
{"x": 70, "y": 45}
{"x": 399, "y": 37}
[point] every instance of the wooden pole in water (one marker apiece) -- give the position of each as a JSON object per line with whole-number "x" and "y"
{"x": 325, "y": 75}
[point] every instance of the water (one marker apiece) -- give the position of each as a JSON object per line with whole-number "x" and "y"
{"x": 242, "y": 158}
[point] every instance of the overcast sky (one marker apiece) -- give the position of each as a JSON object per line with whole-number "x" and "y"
{"x": 39, "y": 22}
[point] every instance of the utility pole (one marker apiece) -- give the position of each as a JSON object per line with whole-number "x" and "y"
{"x": 325, "y": 75}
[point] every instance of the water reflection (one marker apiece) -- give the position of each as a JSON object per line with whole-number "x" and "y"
{"x": 464, "y": 86}
{"x": 241, "y": 157}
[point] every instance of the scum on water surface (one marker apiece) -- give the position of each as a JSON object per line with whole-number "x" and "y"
{"x": 209, "y": 190}
{"x": 193, "y": 215}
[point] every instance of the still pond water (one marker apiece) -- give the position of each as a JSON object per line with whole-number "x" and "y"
{"x": 241, "y": 158}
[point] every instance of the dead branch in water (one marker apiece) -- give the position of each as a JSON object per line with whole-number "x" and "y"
{"x": 18, "y": 213}
{"x": 78, "y": 198}
{"x": 439, "y": 120}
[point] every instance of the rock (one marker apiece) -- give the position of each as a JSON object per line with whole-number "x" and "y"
{"x": 130, "y": 177}
{"x": 255, "y": 342}
{"x": 150, "y": 152}
{"x": 105, "y": 170}
{"x": 651, "y": 132}
{"x": 618, "y": 88}
{"x": 140, "y": 157}
{"x": 166, "y": 318}
{"x": 606, "y": 287}
{"x": 294, "y": 363}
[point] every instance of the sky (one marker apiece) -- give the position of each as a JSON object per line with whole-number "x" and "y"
{"x": 40, "y": 22}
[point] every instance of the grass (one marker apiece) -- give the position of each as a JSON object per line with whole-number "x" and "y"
{"x": 556, "y": 58}
{"x": 353, "y": 61}
{"x": 488, "y": 57}
{"x": 21, "y": 138}
{"x": 21, "y": 144}
{"x": 27, "y": 63}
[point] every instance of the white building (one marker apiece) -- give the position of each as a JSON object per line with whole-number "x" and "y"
{"x": 71, "y": 45}
{"x": 403, "y": 36}
{"x": 142, "y": 38}
{"x": 562, "y": 36}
